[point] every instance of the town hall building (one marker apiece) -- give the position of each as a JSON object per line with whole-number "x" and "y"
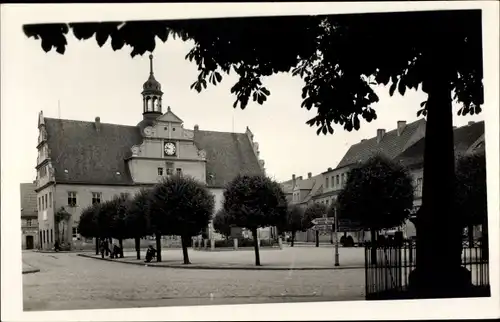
{"x": 80, "y": 163}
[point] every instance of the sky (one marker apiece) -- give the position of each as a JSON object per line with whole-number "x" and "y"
{"x": 89, "y": 81}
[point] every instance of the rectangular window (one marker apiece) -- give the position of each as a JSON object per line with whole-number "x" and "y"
{"x": 96, "y": 197}
{"x": 160, "y": 171}
{"x": 75, "y": 232}
{"x": 28, "y": 222}
{"x": 178, "y": 171}
{"x": 170, "y": 168}
{"x": 39, "y": 204}
{"x": 326, "y": 182}
{"x": 44, "y": 236}
{"x": 343, "y": 179}
{"x": 338, "y": 179}
{"x": 332, "y": 181}
{"x": 51, "y": 235}
{"x": 50, "y": 199}
{"x": 46, "y": 203}
{"x": 43, "y": 172}
{"x": 43, "y": 203}
{"x": 72, "y": 199}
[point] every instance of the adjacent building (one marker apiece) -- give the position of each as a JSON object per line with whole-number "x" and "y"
{"x": 29, "y": 216}
{"x": 80, "y": 163}
{"x": 404, "y": 144}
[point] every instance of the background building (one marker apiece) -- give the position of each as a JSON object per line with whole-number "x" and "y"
{"x": 81, "y": 163}
{"x": 29, "y": 216}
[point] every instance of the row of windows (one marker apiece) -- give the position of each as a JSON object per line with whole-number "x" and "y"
{"x": 169, "y": 171}
{"x": 72, "y": 202}
{"x": 335, "y": 181}
{"x": 44, "y": 236}
{"x": 418, "y": 187}
{"x": 45, "y": 201}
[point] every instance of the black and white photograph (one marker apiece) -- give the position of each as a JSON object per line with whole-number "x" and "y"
{"x": 250, "y": 161}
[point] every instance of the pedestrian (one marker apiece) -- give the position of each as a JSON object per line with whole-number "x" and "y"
{"x": 102, "y": 248}
{"x": 150, "y": 254}
{"x": 56, "y": 246}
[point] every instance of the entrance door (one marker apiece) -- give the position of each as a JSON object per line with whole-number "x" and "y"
{"x": 29, "y": 242}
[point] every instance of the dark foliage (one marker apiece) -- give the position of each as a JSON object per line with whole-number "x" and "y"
{"x": 138, "y": 220}
{"x": 378, "y": 194}
{"x": 221, "y": 223}
{"x": 87, "y": 226}
{"x": 470, "y": 191}
{"x": 315, "y": 210}
{"x": 328, "y": 52}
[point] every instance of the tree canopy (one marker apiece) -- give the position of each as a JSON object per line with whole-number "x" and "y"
{"x": 470, "y": 199}
{"x": 378, "y": 194}
{"x": 221, "y": 223}
{"x": 315, "y": 210}
{"x": 138, "y": 220}
{"x": 254, "y": 201}
{"x": 328, "y": 52}
{"x": 87, "y": 225}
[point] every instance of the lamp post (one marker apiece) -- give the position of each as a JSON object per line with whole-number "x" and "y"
{"x": 336, "y": 238}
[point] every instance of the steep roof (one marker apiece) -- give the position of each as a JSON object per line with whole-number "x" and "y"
{"x": 228, "y": 154}
{"x": 390, "y": 146}
{"x": 28, "y": 200}
{"x": 316, "y": 188}
{"x": 463, "y": 138}
{"x": 287, "y": 186}
{"x": 95, "y": 157}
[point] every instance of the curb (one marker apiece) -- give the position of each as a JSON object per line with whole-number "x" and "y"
{"x": 246, "y": 268}
{"x": 31, "y": 271}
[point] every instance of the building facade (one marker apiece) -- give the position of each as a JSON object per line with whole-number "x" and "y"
{"x": 81, "y": 163}
{"x": 29, "y": 216}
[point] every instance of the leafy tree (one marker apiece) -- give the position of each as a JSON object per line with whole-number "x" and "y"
{"x": 105, "y": 211}
{"x": 255, "y": 201}
{"x": 315, "y": 210}
{"x": 222, "y": 224}
{"x": 295, "y": 221}
{"x": 87, "y": 226}
{"x": 441, "y": 52}
{"x": 118, "y": 213}
{"x": 378, "y": 194}
{"x": 182, "y": 206}
{"x": 470, "y": 200}
{"x": 138, "y": 221}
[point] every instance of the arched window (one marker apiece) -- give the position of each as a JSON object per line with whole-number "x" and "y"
{"x": 154, "y": 104}
{"x": 150, "y": 104}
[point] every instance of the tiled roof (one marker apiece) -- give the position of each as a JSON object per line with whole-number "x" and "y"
{"x": 287, "y": 186}
{"x": 316, "y": 188}
{"x": 28, "y": 200}
{"x": 228, "y": 154}
{"x": 390, "y": 146}
{"x": 463, "y": 138}
{"x": 95, "y": 157}
{"x": 305, "y": 184}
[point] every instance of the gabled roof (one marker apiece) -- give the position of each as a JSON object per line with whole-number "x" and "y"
{"x": 287, "y": 186}
{"x": 317, "y": 187}
{"x": 28, "y": 200}
{"x": 305, "y": 184}
{"x": 463, "y": 137}
{"x": 95, "y": 157}
{"x": 390, "y": 146}
{"x": 170, "y": 117}
{"x": 228, "y": 154}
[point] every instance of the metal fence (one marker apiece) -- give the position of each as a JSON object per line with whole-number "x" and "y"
{"x": 388, "y": 267}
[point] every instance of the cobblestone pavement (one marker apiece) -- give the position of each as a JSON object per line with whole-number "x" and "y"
{"x": 67, "y": 281}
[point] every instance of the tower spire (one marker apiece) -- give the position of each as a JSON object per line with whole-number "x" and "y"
{"x": 151, "y": 65}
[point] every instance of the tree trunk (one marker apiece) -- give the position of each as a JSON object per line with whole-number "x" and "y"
{"x": 185, "y": 243}
{"x": 292, "y": 240}
{"x": 138, "y": 247}
{"x": 120, "y": 243}
{"x": 317, "y": 238}
{"x": 373, "y": 237}
{"x": 439, "y": 235}
{"x": 158, "y": 247}
{"x": 256, "y": 246}
{"x": 96, "y": 245}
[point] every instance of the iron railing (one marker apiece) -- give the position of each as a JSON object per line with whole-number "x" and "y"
{"x": 388, "y": 267}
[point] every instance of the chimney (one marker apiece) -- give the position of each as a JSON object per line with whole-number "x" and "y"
{"x": 380, "y": 135}
{"x": 98, "y": 123}
{"x": 470, "y": 123}
{"x": 294, "y": 180}
{"x": 196, "y": 127}
{"x": 299, "y": 178}
{"x": 401, "y": 127}
{"x": 330, "y": 169}
{"x": 309, "y": 175}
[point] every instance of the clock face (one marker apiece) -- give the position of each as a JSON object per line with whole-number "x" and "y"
{"x": 169, "y": 148}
